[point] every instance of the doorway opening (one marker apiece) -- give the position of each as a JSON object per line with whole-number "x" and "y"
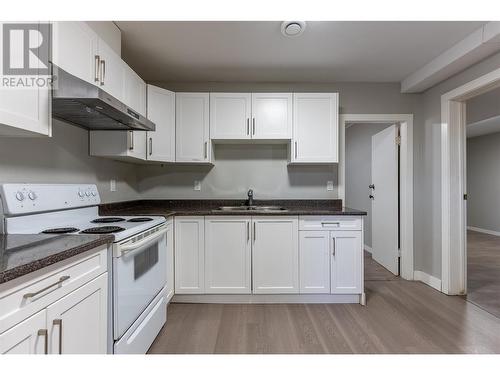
{"x": 483, "y": 202}
{"x": 378, "y": 178}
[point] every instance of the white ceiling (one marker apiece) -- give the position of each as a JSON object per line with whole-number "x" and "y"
{"x": 258, "y": 52}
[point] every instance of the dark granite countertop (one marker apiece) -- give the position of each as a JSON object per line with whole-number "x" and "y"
{"x": 21, "y": 254}
{"x": 208, "y": 207}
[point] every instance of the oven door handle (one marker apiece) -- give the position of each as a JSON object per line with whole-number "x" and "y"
{"x": 123, "y": 249}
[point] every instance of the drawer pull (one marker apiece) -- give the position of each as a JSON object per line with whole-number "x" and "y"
{"x": 330, "y": 224}
{"x": 31, "y": 295}
{"x": 60, "y": 324}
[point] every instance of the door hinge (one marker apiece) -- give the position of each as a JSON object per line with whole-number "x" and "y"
{"x": 398, "y": 140}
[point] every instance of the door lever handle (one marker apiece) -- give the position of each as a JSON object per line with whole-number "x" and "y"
{"x": 371, "y": 197}
{"x": 371, "y": 186}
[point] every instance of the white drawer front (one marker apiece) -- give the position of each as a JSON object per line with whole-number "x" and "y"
{"x": 28, "y": 298}
{"x": 330, "y": 223}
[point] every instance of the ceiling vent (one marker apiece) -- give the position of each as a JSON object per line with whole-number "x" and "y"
{"x": 293, "y": 28}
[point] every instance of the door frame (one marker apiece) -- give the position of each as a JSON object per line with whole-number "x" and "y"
{"x": 405, "y": 180}
{"x": 453, "y": 181}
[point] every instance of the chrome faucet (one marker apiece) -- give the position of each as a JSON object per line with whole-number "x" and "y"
{"x": 250, "y": 197}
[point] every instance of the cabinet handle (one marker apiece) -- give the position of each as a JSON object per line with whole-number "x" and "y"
{"x": 205, "y": 149}
{"x": 61, "y": 279}
{"x": 45, "y": 333}
{"x": 333, "y": 246}
{"x": 130, "y": 140}
{"x": 248, "y": 231}
{"x": 254, "y": 232}
{"x": 103, "y": 72}
{"x": 295, "y": 149}
{"x": 248, "y": 126}
{"x": 97, "y": 64}
{"x": 150, "y": 146}
{"x": 253, "y": 126}
{"x": 58, "y": 322}
{"x": 331, "y": 223}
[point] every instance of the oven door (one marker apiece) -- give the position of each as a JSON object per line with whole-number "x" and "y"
{"x": 139, "y": 273}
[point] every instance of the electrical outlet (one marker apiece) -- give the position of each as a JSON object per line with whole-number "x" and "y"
{"x": 112, "y": 185}
{"x": 197, "y": 185}
{"x": 329, "y": 185}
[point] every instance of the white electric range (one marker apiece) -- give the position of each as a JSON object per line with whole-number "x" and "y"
{"x": 139, "y": 271}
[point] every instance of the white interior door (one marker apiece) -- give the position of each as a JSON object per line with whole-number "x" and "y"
{"x": 385, "y": 198}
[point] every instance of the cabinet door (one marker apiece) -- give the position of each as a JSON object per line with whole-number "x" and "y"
{"x": 161, "y": 110}
{"x": 23, "y": 111}
{"x": 189, "y": 255}
{"x": 112, "y": 71}
{"x": 271, "y": 116}
{"x": 78, "y": 322}
{"x": 27, "y": 337}
{"x": 314, "y": 255}
{"x": 230, "y": 115}
{"x": 227, "y": 255}
{"x": 346, "y": 260}
{"x": 275, "y": 255}
{"x": 169, "y": 292}
{"x": 74, "y": 49}
{"x": 134, "y": 90}
{"x": 192, "y": 127}
{"x": 315, "y": 128}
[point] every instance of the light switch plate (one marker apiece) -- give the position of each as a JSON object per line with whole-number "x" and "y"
{"x": 197, "y": 185}
{"x": 329, "y": 185}
{"x": 112, "y": 185}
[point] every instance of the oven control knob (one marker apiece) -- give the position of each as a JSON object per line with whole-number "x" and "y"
{"x": 32, "y": 195}
{"x": 20, "y": 196}
{"x": 80, "y": 194}
{"x": 87, "y": 194}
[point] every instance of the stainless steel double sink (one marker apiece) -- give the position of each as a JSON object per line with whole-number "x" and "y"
{"x": 251, "y": 208}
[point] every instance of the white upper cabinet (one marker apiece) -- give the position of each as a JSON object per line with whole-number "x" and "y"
{"x": 112, "y": 72}
{"x": 227, "y": 255}
{"x": 192, "y": 130}
{"x": 230, "y": 115}
{"x": 161, "y": 110}
{"x": 346, "y": 262}
{"x": 75, "y": 49}
{"x": 271, "y": 116}
{"x": 315, "y": 128}
{"x": 275, "y": 255}
{"x": 134, "y": 90}
{"x": 24, "y": 111}
{"x": 126, "y": 145}
{"x": 240, "y": 116}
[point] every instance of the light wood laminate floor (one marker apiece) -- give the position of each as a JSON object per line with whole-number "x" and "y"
{"x": 483, "y": 271}
{"x": 400, "y": 317}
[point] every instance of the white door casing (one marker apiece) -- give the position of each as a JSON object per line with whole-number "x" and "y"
{"x": 385, "y": 228}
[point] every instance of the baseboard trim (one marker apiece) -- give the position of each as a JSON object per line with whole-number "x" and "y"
{"x": 369, "y": 249}
{"x": 268, "y": 298}
{"x": 430, "y": 280}
{"x": 487, "y": 231}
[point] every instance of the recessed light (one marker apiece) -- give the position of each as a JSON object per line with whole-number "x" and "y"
{"x": 293, "y": 28}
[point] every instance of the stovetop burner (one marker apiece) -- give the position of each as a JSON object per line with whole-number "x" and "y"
{"x": 139, "y": 219}
{"x": 103, "y": 230}
{"x": 60, "y": 230}
{"x": 108, "y": 220}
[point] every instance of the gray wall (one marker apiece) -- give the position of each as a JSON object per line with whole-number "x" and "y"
{"x": 358, "y": 175}
{"x": 64, "y": 158}
{"x": 483, "y": 106}
{"x": 483, "y": 182}
{"x": 264, "y": 167}
{"x": 427, "y": 169}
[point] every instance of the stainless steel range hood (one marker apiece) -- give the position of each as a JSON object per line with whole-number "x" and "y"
{"x": 86, "y": 105}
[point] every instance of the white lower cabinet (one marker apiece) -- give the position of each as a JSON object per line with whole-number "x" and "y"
{"x": 190, "y": 255}
{"x": 275, "y": 255}
{"x": 346, "y": 262}
{"x": 314, "y": 260}
{"x": 27, "y": 337}
{"x": 227, "y": 255}
{"x": 77, "y": 323}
